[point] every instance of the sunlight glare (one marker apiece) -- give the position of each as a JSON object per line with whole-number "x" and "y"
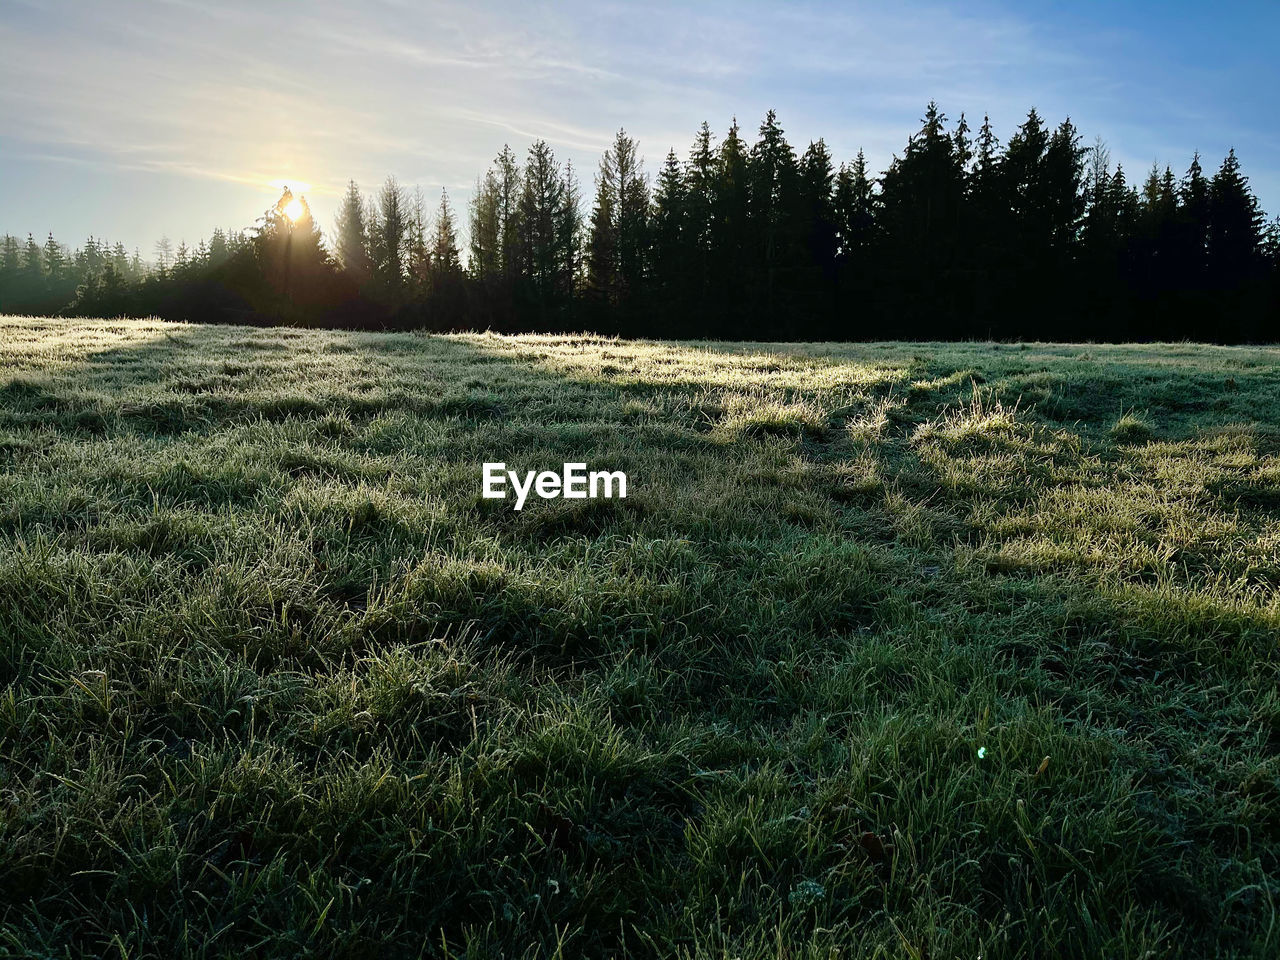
{"x": 294, "y": 209}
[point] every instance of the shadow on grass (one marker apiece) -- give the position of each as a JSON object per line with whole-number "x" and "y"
{"x": 271, "y": 649}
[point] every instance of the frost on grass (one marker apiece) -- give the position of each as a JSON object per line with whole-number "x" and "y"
{"x": 278, "y": 681}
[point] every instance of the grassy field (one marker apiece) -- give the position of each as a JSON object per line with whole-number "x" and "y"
{"x": 894, "y": 650}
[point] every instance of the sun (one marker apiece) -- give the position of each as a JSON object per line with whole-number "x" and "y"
{"x": 294, "y": 209}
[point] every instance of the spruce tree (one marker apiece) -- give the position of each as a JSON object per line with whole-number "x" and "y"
{"x": 1061, "y": 190}
{"x": 56, "y": 267}
{"x": 1193, "y": 233}
{"x": 986, "y": 229}
{"x": 569, "y": 236}
{"x": 1236, "y": 269}
{"x": 855, "y": 216}
{"x": 602, "y": 243}
{"x": 10, "y": 264}
{"x": 539, "y": 212}
{"x": 445, "y": 258}
{"x": 619, "y": 228}
{"x": 817, "y": 235}
{"x": 164, "y": 255}
{"x": 390, "y": 235}
{"x": 417, "y": 246}
{"x": 510, "y": 187}
{"x": 1235, "y": 225}
{"x": 731, "y": 268}
{"x": 771, "y": 175}
{"x": 33, "y": 273}
{"x": 294, "y": 270}
{"x": 920, "y": 201}
{"x": 701, "y": 182}
{"x": 670, "y": 251}
{"x": 447, "y": 302}
{"x": 854, "y": 211}
{"x": 1125, "y": 211}
{"x": 219, "y": 252}
{"x": 632, "y": 217}
{"x": 485, "y": 262}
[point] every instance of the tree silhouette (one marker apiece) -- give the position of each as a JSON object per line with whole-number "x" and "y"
{"x": 960, "y": 236}
{"x": 670, "y": 232}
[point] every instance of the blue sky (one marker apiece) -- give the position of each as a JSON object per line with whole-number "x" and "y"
{"x": 130, "y": 120}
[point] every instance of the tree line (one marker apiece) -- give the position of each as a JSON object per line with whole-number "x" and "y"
{"x": 963, "y": 236}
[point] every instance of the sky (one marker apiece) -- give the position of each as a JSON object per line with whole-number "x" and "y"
{"x": 136, "y": 120}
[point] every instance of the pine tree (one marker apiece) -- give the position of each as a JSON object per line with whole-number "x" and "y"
{"x": 446, "y": 300}
{"x": 1236, "y": 268}
{"x": 963, "y": 145}
{"x": 352, "y": 235}
{"x": 390, "y": 235}
{"x": 855, "y": 208}
{"x": 771, "y": 178}
{"x": 569, "y": 235}
{"x": 417, "y": 249}
{"x": 817, "y": 232}
{"x": 855, "y": 217}
{"x": 539, "y": 227}
{"x": 670, "y": 253}
{"x": 602, "y": 244}
{"x": 619, "y": 226}
{"x": 633, "y": 217}
{"x": 219, "y": 252}
{"x": 10, "y": 261}
{"x": 88, "y": 259}
{"x": 986, "y": 158}
{"x": 1193, "y": 235}
{"x": 1271, "y": 250}
{"x": 731, "y": 268}
{"x": 445, "y": 259}
{"x": 920, "y": 203}
{"x": 496, "y": 260}
{"x": 1061, "y": 189}
{"x": 986, "y": 231}
{"x": 1123, "y": 203}
{"x": 1021, "y": 165}
{"x": 291, "y": 257}
{"x": 164, "y": 254}
{"x": 55, "y": 264}
{"x": 701, "y": 184}
{"x": 485, "y": 262}
{"x": 510, "y": 187}
{"x": 1152, "y": 251}
{"x": 1235, "y": 225}
{"x": 10, "y": 273}
{"x": 33, "y": 272}
{"x": 1126, "y": 211}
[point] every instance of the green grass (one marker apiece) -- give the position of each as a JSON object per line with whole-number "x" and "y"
{"x": 895, "y": 650}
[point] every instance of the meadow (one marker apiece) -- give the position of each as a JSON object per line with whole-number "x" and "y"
{"x": 893, "y": 650}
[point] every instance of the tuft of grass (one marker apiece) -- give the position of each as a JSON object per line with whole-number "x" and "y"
{"x": 905, "y": 649}
{"x": 1131, "y": 428}
{"x": 761, "y": 415}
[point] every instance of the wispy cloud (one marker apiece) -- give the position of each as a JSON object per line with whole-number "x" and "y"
{"x": 245, "y": 93}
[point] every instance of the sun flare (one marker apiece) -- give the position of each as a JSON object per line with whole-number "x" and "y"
{"x": 294, "y": 209}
